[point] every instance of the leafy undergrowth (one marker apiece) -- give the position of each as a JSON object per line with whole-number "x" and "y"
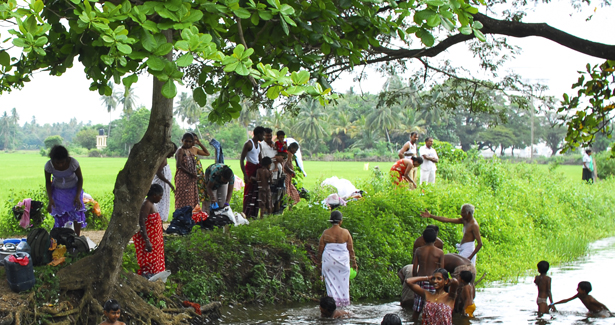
{"x": 526, "y": 215}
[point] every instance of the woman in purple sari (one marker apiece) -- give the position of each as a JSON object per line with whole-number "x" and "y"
{"x": 65, "y": 190}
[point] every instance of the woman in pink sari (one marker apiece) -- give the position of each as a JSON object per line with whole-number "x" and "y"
{"x": 439, "y": 306}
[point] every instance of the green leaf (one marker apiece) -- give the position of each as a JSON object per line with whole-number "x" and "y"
{"x": 289, "y": 21}
{"x": 265, "y": 14}
{"x": 325, "y": 48}
{"x": 472, "y": 10}
{"x": 182, "y": 46}
{"x": 128, "y": 81}
{"x": 185, "y": 60}
{"x": 285, "y": 27}
{"x": 477, "y": 25}
{"x": 148, "y": 41}
{"x": 273, "y": 92}
{"x": 163, "y": 49}
{"x": 426, "y": 37}
{"x": 41, "y": 41}
{"x": 124, "y": 48}
{"x": 242, "y": 13}
{"x": 480, "y": 35}
{"x": 448, "y": 24}
{"x": 169, "y": 90}
{"x": 238, "y": 51}
{"x": 466, "y": 30}
{"x": 155, "y": 63}
{"x": 38, "y": 6}
{"x": 231, "y": 67}
{"x": 435, "y": 3}
{"x": 242, "y": 69}
{"x": 199, "y": 96}
{"x": 20, "y": 42}
{"x": 254, "y": 19}
{"x": 433, "y": 21}
{"x": 287, "y": 10}
{"x": 5, "y": 59}
{"x": 151, "y": 26}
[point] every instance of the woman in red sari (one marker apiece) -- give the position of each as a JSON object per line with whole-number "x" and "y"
{"x": 149, "y": 245}
{"x": 186, "y": 191}
{"x": 401, "y": 170}
{"x": 439, "y": 306}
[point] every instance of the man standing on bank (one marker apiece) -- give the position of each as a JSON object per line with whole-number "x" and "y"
{"x": 252, "y": 153}
{"x": 471, "y": 231}
{"x": 410, "y": 150}
{"x": 430, "y": 159}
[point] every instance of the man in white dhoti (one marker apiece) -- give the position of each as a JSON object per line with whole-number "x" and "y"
{"x": 471, "y": 231}
{"x": 336, "y": 253}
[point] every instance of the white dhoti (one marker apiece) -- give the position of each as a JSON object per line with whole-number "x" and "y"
{"x": 336, "y": 272}
{"x": 466, "y": 249}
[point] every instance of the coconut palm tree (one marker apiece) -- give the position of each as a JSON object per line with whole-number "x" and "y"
{"x": 129, "y": 101}
{"x": 311, "y": 121}
{"x": 111, "y": 102}
{"x": 187, "y": 109}
{"x": 341, "y": 127}
{"x": 383, "y": 119}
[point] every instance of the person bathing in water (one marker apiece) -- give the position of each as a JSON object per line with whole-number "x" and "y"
{"x": 595, "y": 307}
{"x": 426, "y": 260}
{"x": 328, "y": 308}
{"x": 438, "y": 305}
{"x": 543, "y": 282}
{"x": 112, "y": 312}
{"x": 471, "y": 231}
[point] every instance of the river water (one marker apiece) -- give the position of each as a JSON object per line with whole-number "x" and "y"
{"x": 498, "y": 304}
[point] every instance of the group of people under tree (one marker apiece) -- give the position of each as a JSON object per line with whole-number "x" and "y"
{"x": 404, "y": 171}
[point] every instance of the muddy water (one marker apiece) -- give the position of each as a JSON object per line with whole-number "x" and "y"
{"x": 498, "y": 304}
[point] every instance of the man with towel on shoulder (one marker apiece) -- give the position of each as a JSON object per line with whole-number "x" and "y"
{"x": 471, "y": 231}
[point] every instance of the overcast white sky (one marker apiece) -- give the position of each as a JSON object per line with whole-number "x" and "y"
{"x": 58, "y": 99}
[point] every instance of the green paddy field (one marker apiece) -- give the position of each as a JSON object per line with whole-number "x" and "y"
{"x": 24, "y": 170}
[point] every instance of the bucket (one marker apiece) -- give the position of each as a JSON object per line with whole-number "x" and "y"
{"x": 19, "y": 277}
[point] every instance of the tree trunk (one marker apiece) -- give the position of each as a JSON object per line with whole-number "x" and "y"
{"x": 97, "y": 275}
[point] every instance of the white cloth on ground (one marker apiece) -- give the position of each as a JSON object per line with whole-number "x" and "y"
{"x": 164, "y": 205}
{"x": 344, "y": 187}
{"x": 336, "y": 272}
{"x": 466, "y": 249}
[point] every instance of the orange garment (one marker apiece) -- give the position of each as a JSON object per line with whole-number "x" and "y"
{"x": 398, "y": 170}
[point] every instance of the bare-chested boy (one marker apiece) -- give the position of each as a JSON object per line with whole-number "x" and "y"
{"x": 426, "y": 260}
{"x": 471, "y": 231}
{"x": 594, "y": 306}
{"x": 328, "y": 309}
{"x": 419, "y": 242}
{"x": 543, "y": 282}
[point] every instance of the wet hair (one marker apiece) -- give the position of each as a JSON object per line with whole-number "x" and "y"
{"x": 112, "y": 304}
{"x": 543, "y": 267}
{"x": 328, "y": 303}
{"x": 434, "y": 227}
{"x": 417, "y": 159}
{"x": 585, "y": 286}
{"x": 259, "y": 130}
{"x": 413, "y": 133}
{"x": 226, "y": 172}
{"x": 268, "y": 130}
{"x": 336, "y": 217}
{"x": 266, "y": 161}
{"x": 280, "y": 133}
{"x": 469, "y": 208}
{"x": 429, "y": 235}
{"x": 155, "y": 189}
{"x": 466, "y": 276}
{"x": 58, "y": 152}
{"x": 442, "y": 271}
{"x": 188, "y": 135}
{"x": 391, "y": 319}
{"x": 293, "y": 145}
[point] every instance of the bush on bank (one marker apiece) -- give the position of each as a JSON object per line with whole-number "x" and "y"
{"x": 526, "y": 215}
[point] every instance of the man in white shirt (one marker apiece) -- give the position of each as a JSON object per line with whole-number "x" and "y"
{"x": 269, "y": 150}
{"x": 430, "y": 158}
{"x": 409, "y": 150}
{"x": 588, "y": 166}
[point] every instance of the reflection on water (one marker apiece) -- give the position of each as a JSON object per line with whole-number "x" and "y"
{"x": 498, "y": 304}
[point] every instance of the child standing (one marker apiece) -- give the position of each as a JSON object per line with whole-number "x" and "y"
{"x": 426, "y": 260}
{"x": 65, "y": 190}
{"x": 280, "y": 144}
{"x": 594, "y": 306}
{"x": 543, "y": 282}
{"x": 186, "y": 192}
{"x": 149, "y": 244}
{"x": 112, "y": 312}
{"x": 468, "y": 292}
{"x": 263, "y": 179}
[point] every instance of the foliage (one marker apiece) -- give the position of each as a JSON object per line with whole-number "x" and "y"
{"x": 87, "y": 138}
{"x": 526, "y": 214}
{"x": 54, "y": 140}
{"x": 591, "y": 110}
{"x": 605, "y": 165}
{"x": 9, "y": 226}
{"x": 448, "y": 153}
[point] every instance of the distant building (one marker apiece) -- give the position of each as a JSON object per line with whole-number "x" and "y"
{"x": 101, "y": 139}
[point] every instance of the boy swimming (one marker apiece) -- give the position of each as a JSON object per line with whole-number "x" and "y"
{"x": 328, "y": 308}
{"x": 594, "y": 306}
{"x": 543, "y": 282}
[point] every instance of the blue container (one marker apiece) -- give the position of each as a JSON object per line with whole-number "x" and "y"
{"x": 14, "y": 241}
{"x": 20, "y": 277}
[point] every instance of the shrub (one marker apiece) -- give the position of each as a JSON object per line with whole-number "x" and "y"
{"x": 53, "y": 140}
{"x": 9, "y": 226}
{"x": 605, "y": 165}
{"x": 94, "y": 153}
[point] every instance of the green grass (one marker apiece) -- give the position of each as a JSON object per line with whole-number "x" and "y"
{"x": 23, "y": 170}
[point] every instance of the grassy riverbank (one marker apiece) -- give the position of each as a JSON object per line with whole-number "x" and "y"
{"x": 526, "y": 213}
